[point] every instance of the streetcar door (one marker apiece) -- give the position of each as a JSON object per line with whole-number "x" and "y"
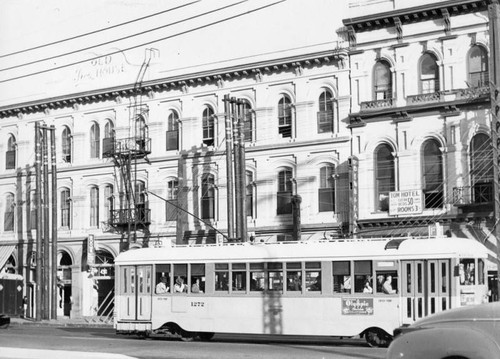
{"x": 135, "y": 293}
{"x": 413, "y": 290}
{"x": 438, "y": 286}
{"x": 144, "y": 292}
{"x": 127, "y": 293}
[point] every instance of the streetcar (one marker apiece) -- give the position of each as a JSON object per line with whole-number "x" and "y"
{"x": 337, "y": 288}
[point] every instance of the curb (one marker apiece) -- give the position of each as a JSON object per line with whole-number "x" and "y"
{"x": 58, "y": 323}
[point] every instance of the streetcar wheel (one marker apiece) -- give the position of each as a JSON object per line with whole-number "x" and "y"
{"x": 186, "y": 336}
{"x": 377, "y": 338}
{"x": 206, "y": 336}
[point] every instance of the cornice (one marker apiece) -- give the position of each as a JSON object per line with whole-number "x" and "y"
{"x": 181, "y": 82}
{"x": 395, "y": 18}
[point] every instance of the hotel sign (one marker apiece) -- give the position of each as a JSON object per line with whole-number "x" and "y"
{"x": 405, "y": 202}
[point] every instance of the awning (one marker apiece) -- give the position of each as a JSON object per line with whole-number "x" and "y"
{"x": 5, "y": 252}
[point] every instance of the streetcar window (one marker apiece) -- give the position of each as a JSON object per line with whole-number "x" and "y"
{"x": 197, "y": 278}
{"x": 387, "y": 281}
{"x": 239, "y": 277}
{"x": 466, "y": 271}
{"x": 313, "y": 276}
{"x": 163, "y": 275}
{"x": 480, "y": 271}
{"x": 180, "y": 275}
{"x": 362, "y": 274}
{"x": 221, "y": 276}
{"x": 257, "y": 276}
{"x": 294, "y": 277}
{"x": 342, "y": 277}
{"x": 275, "y": 276}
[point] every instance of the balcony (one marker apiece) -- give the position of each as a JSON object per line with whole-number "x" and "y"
{"x": 139, "y": 217}
{"x": 377, "y": 104}
{"x": 137, "y": 147}
{"x": 478, "y": 197}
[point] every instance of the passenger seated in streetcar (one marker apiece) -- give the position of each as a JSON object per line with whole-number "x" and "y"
{"x": 367, "y": 287}
{"x": 179, "y": 286}
{"x": 162, "y": 287}
{"x": 380, "y": 283}
{"x": 387, "y": 286}
{"x": 195, "y": 288}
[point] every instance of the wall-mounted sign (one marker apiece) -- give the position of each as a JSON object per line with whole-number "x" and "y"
{"x": 405, "y": 202}
{"x": 357, "y": 306}
{"x": 90, "y": 250}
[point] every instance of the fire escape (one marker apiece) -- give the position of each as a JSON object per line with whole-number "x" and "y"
{"x": 131, "y": 214}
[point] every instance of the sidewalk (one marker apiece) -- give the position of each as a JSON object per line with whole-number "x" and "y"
{"x": 87, "y": 322}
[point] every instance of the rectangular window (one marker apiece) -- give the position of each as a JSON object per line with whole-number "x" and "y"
{"x": 10, "y": 160}
{"x": 163, "y": 279}
{"x": 362, "y": 273}
{"x": 294, "y": 277}
{"x": 221, "y": 277}
{"x": 180, "y": 275}
{"x": 313, "y": 276}
{"x": 342, "y": 277}
{"x": 257, "y": 277}
{"x": 466, "y": 271}
{"x": 239, "y": 277}
{"x": 275, "y": 276}
{"x": 387, "y": 281}
{"x": 197, "y": 278}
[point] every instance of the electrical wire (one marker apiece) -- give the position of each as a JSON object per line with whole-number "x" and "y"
{"x": 143, "y": 44}
{"x": 119, "y": 39}
{"x": 97, "y": 31}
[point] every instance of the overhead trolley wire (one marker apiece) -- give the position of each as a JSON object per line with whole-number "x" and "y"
{"x": 142, "y": 44}
{"x": 119, "y": 39}
{"x": 97, "y": 31}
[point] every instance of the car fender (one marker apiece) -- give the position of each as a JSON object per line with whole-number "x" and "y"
{"x": 443, "y": 342}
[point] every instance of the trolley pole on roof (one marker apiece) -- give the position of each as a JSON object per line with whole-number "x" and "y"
{"x": 494, "y": 70}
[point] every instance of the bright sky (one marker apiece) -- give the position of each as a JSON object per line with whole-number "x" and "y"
{"x": 229, "y": 35}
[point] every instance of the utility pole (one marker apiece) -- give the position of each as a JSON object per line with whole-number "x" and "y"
{"x": 53, "y": 276}
{"x": 38, "y": 205}
{"x": 46, "y": 229}
{"x": 494, "y": 70}
{"x": 242, "y": 169}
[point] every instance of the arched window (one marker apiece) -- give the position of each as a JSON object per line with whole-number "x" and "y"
{"x": 108, "y": 142}
{"x": 173, "y": 131}
{"x": 95, "y": 138}
{"x": 326, "y": 190}
{"x": 429, "y": 74}
{"x": 109, "y": 201}
{"x": 382, "y": 80}
{"x": 248, "y": 125}
{"x": 66, "y": 144}
{"x": 208, "y": 125}
{"x": 285, "y": 191}
{"x": 208, "y": 196}
{"x": 10, "y": 154}
{"x": 478, "y": 66}
{"x": 481, "y": 160}
{"x": 171, "y": 209}
{"x": 384, "y": 176}
{"x": 249, "y": 194}
{"x": 141, "y": 132}
{"x": 65, "y": 206}
{"x": 94, "y": 206}
{"x": 325, "y": 112}
{"x": 285, "y": 116}
{"x": 432, "y": 174}
{"x": 10, "y": 205}
{"x": 141, "y": 202}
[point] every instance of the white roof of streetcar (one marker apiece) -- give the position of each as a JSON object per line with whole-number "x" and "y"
{"x": 361, "y": 249}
